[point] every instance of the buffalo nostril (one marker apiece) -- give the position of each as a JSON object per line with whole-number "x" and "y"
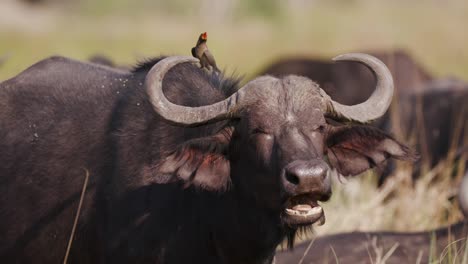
{"x": 292, "y": 178}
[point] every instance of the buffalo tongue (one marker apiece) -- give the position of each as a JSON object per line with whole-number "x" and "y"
{"x": 303, "y": 208}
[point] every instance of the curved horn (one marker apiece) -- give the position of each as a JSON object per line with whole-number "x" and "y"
{"x": 378, "y": 102}
{"x": 185, "y": 115}
{"x": 463, "y": 195}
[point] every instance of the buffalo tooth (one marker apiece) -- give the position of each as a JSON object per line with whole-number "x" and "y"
{"x": 316, "y": 210}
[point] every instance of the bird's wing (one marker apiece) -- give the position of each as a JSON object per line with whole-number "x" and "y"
{"x": 210, "y": 58}
{"x": 194, "y": 53}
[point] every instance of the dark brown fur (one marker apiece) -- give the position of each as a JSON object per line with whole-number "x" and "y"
{"x": 157, "y": 192}
{"x": 426, "y": 110}
{"x": 360, "y": 247}
{"x": 437, "y": 118}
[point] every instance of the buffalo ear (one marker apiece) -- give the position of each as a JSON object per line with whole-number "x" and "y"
{"x": 200, "y": 162}
{"x": 354, "y": 149}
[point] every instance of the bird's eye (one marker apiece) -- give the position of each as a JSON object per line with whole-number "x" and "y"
{"x": 321, "y": 128}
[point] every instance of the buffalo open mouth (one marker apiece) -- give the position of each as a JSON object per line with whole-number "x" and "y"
{"x": 303, "y": 210}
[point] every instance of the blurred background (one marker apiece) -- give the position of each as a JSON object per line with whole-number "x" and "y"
{"x": 247, "y": 36}
{"x": 243, "y": 35}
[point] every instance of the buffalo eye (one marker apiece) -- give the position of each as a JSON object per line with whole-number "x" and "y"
{"x": 261, "y": 143}
{"x": 258, "y": 130}
{"x": 260, "y": 134}
{"x": 321, "y": 128}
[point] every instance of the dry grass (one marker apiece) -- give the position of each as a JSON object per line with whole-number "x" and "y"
{"x": 381, "y": 256}
{"x": 358, "y": 205}
{"x": 454, "y": 253}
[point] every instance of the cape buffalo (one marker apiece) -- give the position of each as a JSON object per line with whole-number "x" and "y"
{"x": 364, "y": 247}
{"x": 437, "y": 118}
{"x": 185, "y": 166}
{"x": 430, "y": 111}
{"x": 352, "y": 83}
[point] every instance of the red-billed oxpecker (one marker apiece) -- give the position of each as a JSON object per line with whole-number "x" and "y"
{"x": 201, "y": 52}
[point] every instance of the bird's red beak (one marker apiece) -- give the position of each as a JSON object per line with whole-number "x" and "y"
{"x": 204, "y": 36}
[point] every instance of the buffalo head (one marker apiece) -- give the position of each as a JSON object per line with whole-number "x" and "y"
{"x": 282, "y": 138}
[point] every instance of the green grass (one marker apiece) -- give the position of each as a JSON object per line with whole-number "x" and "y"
{"x": 242, "y": 40}
{"x": 455, "y": 252}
